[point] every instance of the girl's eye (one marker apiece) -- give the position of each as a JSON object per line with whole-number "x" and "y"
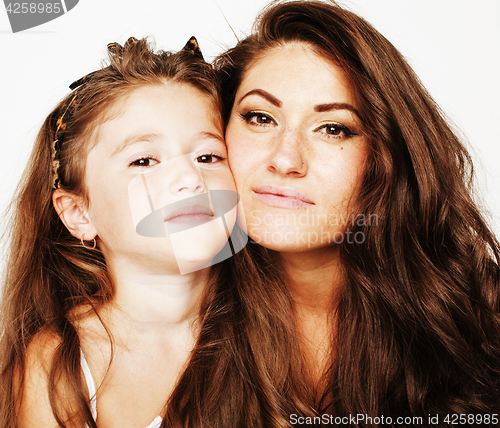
{"x": 335, "y": 130}
{"x": 209, "y": 158}
{"x": 144, "y": 162}
{"x": 258, "y": 118}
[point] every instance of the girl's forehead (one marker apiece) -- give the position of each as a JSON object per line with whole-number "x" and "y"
{"x": 152, "y": 95}
{"x": 171, "y": 111}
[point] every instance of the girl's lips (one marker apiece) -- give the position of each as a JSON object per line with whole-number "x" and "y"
{"x": 283, "y": 197}
{"x": 190, "y": 214}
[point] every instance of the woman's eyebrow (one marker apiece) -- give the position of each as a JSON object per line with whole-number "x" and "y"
{"x": 335, "y": 106}
{"x": 264, "y": 94}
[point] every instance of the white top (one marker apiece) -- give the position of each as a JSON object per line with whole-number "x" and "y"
{"x": 92, "y": 393}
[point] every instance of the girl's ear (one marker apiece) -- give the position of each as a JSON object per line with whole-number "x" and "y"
{"x": 72, "y": 212}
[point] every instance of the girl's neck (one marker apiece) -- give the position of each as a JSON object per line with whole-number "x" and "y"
{"x": 153, "y": 305}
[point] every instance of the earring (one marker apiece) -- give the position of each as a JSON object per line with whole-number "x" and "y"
{"x": 83, "y": 243}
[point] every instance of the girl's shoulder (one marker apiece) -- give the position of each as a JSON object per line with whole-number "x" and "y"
{"x": 35, "y": 409}
{"x": 95, "y": 339}
{"x": 91, "y": 326}
{"x": 43, "y": 361}
{"x": 39, "y": 357}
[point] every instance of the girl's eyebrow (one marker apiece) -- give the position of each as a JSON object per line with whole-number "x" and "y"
{"x": 134, "y": 139}
{"x": 209, "y": 135}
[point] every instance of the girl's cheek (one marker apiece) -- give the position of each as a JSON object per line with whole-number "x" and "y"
{"x": 239, "y": 148}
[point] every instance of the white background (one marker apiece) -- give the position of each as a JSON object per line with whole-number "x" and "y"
{"x": 453, "y": 45}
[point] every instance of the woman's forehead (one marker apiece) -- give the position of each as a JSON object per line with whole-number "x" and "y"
{"x": 296, "y": 68}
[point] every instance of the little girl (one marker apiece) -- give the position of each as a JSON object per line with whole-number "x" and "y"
{"x": 128, "y": 188}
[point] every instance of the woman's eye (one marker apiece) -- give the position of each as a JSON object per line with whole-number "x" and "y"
{"x": 208, "y": 158}
{"x": 257, "y": 118}
{"x": 144, "y": 162}
{"x": 336, "y": 130}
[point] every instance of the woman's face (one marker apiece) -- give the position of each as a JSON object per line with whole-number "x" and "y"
{"x": 297, "y": 150}
{"x": 151, "y": 178}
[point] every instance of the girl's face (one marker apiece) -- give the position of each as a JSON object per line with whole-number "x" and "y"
{"x": 296, "y": 149}
{"x": 151, "y": 178}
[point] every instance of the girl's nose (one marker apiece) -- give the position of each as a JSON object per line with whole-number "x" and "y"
{"x": 187, "y": 177}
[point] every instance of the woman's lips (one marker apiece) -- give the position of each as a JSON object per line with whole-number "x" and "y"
{"x": 190, "y": 214}
{"x": 283, "y": 197}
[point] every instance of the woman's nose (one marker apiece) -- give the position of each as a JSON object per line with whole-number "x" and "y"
{"x": 287, "y": 156}
{"x": 187, "y": 176}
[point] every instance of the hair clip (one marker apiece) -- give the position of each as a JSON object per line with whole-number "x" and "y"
{"x": 61, "y": 124}
{"x": 193, "y": 47}
{"x": 81, "y": 81}
{"x": 117, "y": 49}
{"x": 130, "y": 41}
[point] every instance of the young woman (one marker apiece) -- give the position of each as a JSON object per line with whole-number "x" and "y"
{"x": 357, "y": 194}
{"x": 127, "y": 188}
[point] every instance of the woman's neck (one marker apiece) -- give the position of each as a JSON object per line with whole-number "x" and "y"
{"x": 314, "y": 279}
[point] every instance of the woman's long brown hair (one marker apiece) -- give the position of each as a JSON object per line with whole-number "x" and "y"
{"x": 417, "y": 325}
{"x": 226, "y": 383}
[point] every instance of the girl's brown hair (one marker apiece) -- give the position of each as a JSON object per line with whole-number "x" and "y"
{"x": 417, "y": 324}
{"x": 49, "y": 273}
